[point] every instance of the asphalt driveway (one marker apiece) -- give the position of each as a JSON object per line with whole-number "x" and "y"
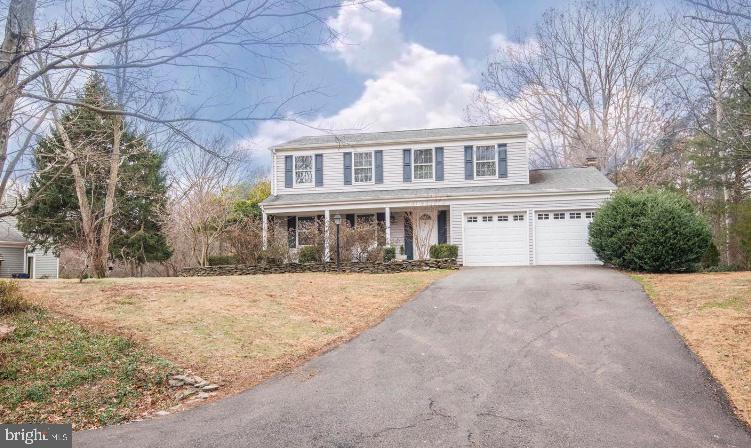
{"x": 501, "y": 357}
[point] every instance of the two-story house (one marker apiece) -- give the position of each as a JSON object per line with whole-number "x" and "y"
{"x": 473, "y": 184}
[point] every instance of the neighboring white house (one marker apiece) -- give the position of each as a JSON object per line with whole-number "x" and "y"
{"x": 17, "y": 258}
{"x": 473, "y": 184}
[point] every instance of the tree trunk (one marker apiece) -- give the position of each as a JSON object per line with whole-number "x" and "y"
{"x": 18, "y": 28}
{"x": 102, "y": 250}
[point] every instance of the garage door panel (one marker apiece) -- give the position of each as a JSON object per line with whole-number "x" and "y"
{"x": 500, "y": 242}
{"x": 563, "y": 241}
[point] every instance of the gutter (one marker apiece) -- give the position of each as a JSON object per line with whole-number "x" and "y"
{"x": 324, "y": 204}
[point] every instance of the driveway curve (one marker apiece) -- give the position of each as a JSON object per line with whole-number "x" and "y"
{"x": 501, "y": 357}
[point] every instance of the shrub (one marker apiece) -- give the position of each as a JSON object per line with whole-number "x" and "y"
{"x": 308, "y": 254}
{"x": 444, "y": 251}
{"x": 221, "y": 260}
{"x": 653, "y": 231}
{"x": 389, "y": 253}
{"x": 11, "y": 299}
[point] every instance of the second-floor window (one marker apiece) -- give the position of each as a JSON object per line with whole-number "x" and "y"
{"x": 423, "y": 164}
{"x": 362, "y": 167}
{"x": 486, "y": 161}
{"x": 303, "y": 170}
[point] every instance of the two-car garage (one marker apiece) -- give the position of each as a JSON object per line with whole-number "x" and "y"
{"x": 541, "y": 237}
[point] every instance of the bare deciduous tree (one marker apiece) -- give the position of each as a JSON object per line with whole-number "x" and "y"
{"x": 589, "y": 83}
{"x": 137, "y": 45}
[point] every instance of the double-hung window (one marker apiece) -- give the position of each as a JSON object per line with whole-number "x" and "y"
{"x": 423, "y": 164}
{"x": 362, "y": 167}
{"x": 486, "y": 162}
{"x": 303, "y": 170}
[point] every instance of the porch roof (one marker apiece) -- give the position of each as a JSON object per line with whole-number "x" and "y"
{"x": 541, "y": 181}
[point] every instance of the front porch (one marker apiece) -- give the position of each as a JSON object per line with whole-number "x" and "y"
{"x": 410, "y": 230}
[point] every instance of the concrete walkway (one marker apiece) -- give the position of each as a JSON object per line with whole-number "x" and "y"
{"x": 497, "y": 357}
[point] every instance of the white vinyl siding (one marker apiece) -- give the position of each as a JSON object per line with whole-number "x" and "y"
{"x": 46, "y": 265}
{"x": 13, "y": 261}
{"x": 393, "y": 177}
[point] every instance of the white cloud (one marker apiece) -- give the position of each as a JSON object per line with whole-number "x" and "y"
{"x": 370, "y": 38}
{"x": 410, "y": 86}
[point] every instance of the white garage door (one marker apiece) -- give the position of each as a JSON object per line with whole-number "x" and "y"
{"x": 561, "y": 237}
{"x": 496, "y": 239}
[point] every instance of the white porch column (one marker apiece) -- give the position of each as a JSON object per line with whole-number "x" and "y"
{"x": 326, "y": 235}
{"x": 265, "y": 230}
{"x": 388, "y": 226}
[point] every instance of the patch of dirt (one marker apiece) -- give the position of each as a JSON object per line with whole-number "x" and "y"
{"x": 712, "y": 311}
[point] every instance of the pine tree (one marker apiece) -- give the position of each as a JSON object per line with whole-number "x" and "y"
{"x": 54, "y": 216}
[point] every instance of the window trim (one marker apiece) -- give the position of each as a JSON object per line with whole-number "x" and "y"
{"x": 312, "y": 182}
{"x": 432, "y": 165}
{"x": 372, "y": 168}
{"x": 495, "y": 162}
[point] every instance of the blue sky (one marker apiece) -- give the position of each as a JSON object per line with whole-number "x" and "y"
{"x": 438, "y": 47}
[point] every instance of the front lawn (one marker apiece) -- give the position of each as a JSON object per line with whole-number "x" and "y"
{"x": 53, "y": 370}
{"x": 713, "y": 314}
{"x": 234, "y": 331}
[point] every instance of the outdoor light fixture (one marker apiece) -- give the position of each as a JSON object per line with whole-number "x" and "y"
{"x": 337, "y": 221}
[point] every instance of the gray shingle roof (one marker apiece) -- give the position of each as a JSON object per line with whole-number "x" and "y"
{"x": 8, "y": 231}
{"x": 553, "y": 180}
{"x": 408, "y": 135}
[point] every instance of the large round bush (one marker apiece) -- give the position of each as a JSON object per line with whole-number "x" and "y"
{"x": 653, "y": 231}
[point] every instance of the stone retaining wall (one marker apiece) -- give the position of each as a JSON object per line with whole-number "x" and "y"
{"x": 364, "y": 267}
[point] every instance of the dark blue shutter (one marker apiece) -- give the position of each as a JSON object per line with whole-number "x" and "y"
{"x": 502, "y": 161}
{"x": 407, "y": 165}
{"x": 439, "y": 164}
{"x": 468, "y": 163}
{"x": 319, "y": 170}
{"x": 347, "y": 168}
{"x": 378, "y": 155}
{"x": 442, "y": 239}
{"x": 350, "y": 219}
{"x": 408, "y": 249}
{"x": 288, "y": 171}
{"x": 292, "y": 231}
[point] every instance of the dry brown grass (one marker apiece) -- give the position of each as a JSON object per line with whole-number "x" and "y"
{"x": 712, "y": 312}
{"x": 236, "y": 331}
